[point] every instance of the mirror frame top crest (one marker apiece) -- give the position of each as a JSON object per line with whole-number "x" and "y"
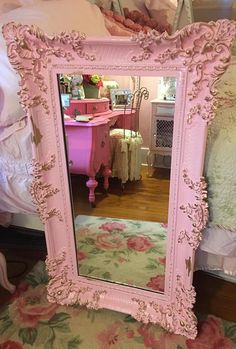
{"x": 197, "y": 56}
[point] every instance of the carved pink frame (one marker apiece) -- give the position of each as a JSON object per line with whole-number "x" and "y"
{"x": 197, "y": 55}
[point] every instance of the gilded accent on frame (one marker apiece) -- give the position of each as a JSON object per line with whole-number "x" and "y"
{"x": 188, "y": 264}
{"x": 63, "y": 290}
{"x": 41, "y": 191}
{"x": 197, "y": 212}
{"x": 175, "y": 317}
{"x": 36, "y": 134}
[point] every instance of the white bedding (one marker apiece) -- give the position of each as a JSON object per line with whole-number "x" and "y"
{"x": 15, "y": 136}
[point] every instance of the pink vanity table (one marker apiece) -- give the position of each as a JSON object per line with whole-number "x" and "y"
{"x": 88, "y": 142}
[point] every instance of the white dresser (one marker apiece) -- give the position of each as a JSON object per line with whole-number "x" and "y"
{"x": 162, "y": 122}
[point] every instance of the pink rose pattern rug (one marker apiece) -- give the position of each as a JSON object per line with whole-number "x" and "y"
{"x": 125, "y": 251}
{"x": 30, "y": 322}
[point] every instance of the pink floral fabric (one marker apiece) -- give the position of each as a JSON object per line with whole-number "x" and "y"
{"x": 157, "y": 283}
{"x": 29, "y": 321}
{"x": 111, "y": 226}
{"x": 140, "y": 243}
{"x": 211, "y": 336}
{"x": 29, "y": 310}
{"x": 126, "y": 251}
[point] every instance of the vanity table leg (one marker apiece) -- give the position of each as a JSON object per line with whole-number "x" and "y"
{"x": 92, "y": 184}
{"x": 106, "y": 175}
{"x": 3, "y": 275}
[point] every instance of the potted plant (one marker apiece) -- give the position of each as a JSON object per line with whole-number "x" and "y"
{"x": 92, "y": 84}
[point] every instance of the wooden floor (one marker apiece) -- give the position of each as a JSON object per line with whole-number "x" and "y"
{"x": 145, "y": 200}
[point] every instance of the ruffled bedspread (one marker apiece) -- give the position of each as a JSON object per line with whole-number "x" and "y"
{"x": 220, "y": 161}
{"x": 218, "y": 248}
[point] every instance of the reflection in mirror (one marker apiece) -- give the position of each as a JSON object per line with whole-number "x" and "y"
{"x": 119, "y": 142}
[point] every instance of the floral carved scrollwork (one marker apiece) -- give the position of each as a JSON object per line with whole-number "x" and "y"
{"x": 196, "y": 212}
{"x": 63, "y": 290}
{"x": 211, "y": 46}
{"x": 30, "y": 51}
{"x": 42, "y": 191}
{"x": 206, "y": 111}
{"x": 175, "y": 317}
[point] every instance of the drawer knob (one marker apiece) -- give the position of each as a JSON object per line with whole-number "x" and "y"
{"x": 95, "y": 108}
{"x": 103, "y": 144}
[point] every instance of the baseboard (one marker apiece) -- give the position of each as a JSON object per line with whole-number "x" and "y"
{"x": 144, "y": 153}
{"x": 27, "y": 221}
{"x": 159, "y": 161}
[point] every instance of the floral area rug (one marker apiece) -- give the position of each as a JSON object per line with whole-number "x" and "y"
{"x": 30, "y": 322}
{"x": 125, "y": 251}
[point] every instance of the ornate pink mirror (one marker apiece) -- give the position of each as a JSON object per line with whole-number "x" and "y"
{"x": 122, "y": 230}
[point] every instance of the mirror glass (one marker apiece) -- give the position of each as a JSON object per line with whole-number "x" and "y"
{"x": 118, "y": 134}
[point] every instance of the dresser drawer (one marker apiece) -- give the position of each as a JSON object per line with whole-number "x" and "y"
{"x": 76, "y": 107}
{"x": 97, "y": 107}
{"x": 163, "y": 110}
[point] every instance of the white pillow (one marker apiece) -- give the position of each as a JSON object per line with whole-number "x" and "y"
{"x": 52, "y": 16}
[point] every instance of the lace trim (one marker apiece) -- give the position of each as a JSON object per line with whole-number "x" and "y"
{"x": 15, "y": 168}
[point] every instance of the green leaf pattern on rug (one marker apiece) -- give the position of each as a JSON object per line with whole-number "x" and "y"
{"x": 230, "y": 331}
{"x": 126, "y": 251}
{"x": 75, "y": 327}
{"x": 28, "y": 335}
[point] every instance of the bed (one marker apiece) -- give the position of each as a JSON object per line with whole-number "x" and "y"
{"x": 217, "y": 252}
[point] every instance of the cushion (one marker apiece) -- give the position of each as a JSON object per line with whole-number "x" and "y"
{"x": 115, "y": 28}
{"x": 118, "y": 25}
{"x": 138, "y": 5}
{"x": 162, "y": 11}
{"x": 79, "y": 16}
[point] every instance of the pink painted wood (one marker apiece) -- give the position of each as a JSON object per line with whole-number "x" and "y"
{"x": 87, "y": 106}
{"x": 88, "y": 147}
{"x": 197, "y": 56}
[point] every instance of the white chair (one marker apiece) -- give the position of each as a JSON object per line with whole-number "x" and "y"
{"x": 126, "y": 142}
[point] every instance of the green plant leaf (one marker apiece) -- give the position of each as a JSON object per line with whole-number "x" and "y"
{"x": 62, "y": 327}
{"x": 45, "y": 334}
{"x": 5, "y": 325}
{"x": 35, "y": 279}
{"x": 59, "y": 317}
{"x": 151, "y": 266}
{"x": 230, "y": 332}
{"x": 49, "y": 344}
{"x": 129, "y": 318}
{"x": 4, "y": 315}
{"x": 89, "y": 241}
{"x": 28, "y": 335}
{"x": 106, "y": 275}
{"x": 138, "y": 339}
{"x": 95, "y": 251}
{"x": 74, "y": 342}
